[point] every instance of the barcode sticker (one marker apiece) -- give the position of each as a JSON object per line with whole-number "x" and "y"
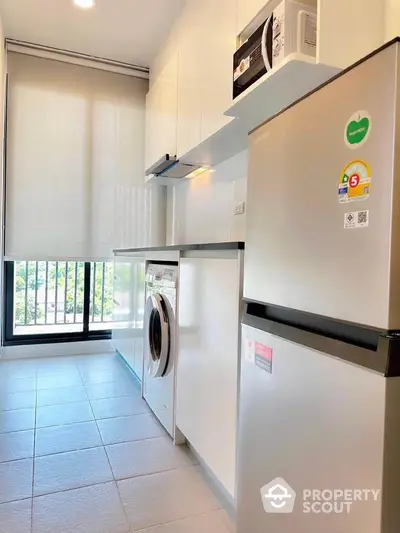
{"x": 356, "y": 219}
{"x": 362, "y": 218}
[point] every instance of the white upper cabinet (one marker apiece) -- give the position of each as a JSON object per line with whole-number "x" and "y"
{"x": 246, "y": 11}
{"x": 152, "y": 110}
{"x": 169, "y": 102}
{"x": 189, "y": 78}
{"x": 188, "y": 112}
{"x": 218, "y": 47}
{"x": 161, "y": 113}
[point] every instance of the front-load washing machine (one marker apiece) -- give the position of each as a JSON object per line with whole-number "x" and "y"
{"x": 159, "y": 374}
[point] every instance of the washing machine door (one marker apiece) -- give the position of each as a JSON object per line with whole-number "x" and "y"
{"x": 158, "y": 335}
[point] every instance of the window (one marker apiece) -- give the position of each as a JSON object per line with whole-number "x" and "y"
{"x": 101, "y": 295}
{"x": 74, "y": 189}
{"x": 57, "y": 301}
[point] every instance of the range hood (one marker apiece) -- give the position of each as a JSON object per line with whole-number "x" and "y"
{"x": 170, "y": 167}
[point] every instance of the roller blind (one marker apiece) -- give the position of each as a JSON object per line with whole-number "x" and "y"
{"x": 75, "y": 148}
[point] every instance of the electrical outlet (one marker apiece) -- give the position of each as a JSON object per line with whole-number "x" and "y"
{"x": 240, "y": 208}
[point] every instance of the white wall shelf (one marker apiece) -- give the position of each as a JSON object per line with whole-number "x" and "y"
{"x": 296, "y": 76}
{"x": 221, "y": 145}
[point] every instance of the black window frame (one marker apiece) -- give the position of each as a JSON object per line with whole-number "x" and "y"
{"x": 9, "y": 337}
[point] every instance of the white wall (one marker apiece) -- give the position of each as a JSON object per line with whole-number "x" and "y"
{"x": 57, "y": 349}
{"x": 202, "y": 209}
{"x": 3, "y": 70}
{"x": 392, "y": 19}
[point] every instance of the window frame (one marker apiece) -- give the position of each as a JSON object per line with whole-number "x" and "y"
{"x": 11, "y": 339}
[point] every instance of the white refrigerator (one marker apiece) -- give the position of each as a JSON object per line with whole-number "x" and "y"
{"x": 319, "y": 418}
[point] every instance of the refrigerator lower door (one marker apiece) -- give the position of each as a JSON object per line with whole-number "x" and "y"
{"x": 316, "y": 423}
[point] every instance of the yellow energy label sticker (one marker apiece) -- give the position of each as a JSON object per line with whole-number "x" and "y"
{"x": 355, "y": 182}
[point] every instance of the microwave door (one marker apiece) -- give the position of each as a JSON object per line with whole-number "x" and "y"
{"x": 266, "y": 43}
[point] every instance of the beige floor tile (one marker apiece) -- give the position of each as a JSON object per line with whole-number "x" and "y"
{"x": 214, "y": 522}
{"x": 116, "y": 407}
{"x": 61, "y": 395}
{"x": 68, "y": 413}
{"x": 18, "y": 445}
{"x": 58, "y": 439}
{"x": 15, "y": 517}
{"x": 103, "y": 376}
{"x": 9, "y": 385}
{"x": 62, "y": 366}
{"x": 130, "y": 428}
{"x": 95, "y": 509}
{"x": 18, "y": 400}
{"x": 19, "y": 420}
{"x": 165, "y": 497}
{"x": 98, "y": 363}
{"x": 71, "y": 470}
{"x": 18, "y": 369}
{"x": 16, "y": 480}
{"x": 147, "y": 457}
{"x": 113, "y": 389}
{"x": 53, "y": 381}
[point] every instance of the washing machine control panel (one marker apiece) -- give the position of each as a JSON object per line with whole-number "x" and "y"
{"x": 166, "y": 275}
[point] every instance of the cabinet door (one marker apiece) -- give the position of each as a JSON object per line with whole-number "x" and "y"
{"x": 161, "y": 113}
{"x": 166, "y": 121}
{"x": 247, "y": 10}
{"x": 123, "y": 308}
{"x": 149, "y": 135}
{"x": 128, "y": 332}
{"x": 218, "y": 50}
{"x": 189, "y": 79}
{"x": 152, "y": 114}
{"x": 208, "y": 361}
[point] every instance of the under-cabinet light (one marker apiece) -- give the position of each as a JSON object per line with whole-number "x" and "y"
{"x": 85, "y": 4}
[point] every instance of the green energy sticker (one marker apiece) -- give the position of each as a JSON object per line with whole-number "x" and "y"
{"x": 358, "y": 129}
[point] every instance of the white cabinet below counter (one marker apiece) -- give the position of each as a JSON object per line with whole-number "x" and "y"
{"x": 127, "y": 334}
{"x": 207, "y": 380}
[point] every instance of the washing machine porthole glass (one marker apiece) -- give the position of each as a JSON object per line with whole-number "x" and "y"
{"x": 155, "y": 335}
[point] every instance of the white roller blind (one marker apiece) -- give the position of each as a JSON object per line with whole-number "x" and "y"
{"x": 75, "y": 160}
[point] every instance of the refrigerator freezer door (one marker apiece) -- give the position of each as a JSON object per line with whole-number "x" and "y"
{"x": 298, "y": 252}
{"x": 314, "y": 421}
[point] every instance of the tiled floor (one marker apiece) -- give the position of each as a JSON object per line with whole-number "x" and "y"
{"x": 80, "y": 452}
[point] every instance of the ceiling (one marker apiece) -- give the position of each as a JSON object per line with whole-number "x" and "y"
{"x": 124, "y": 30}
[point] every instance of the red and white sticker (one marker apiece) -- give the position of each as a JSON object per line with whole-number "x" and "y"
{"x": 354, "y": 180}
{"x": 263, "y": 357}
{"x": 259, "y": 354}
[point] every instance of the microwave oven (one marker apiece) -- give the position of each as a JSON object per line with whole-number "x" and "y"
{"x": 288, "y": 27}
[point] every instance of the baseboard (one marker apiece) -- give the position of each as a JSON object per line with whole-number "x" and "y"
{"x": 219, "y": 490}
{"x": 55, "y": 350}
